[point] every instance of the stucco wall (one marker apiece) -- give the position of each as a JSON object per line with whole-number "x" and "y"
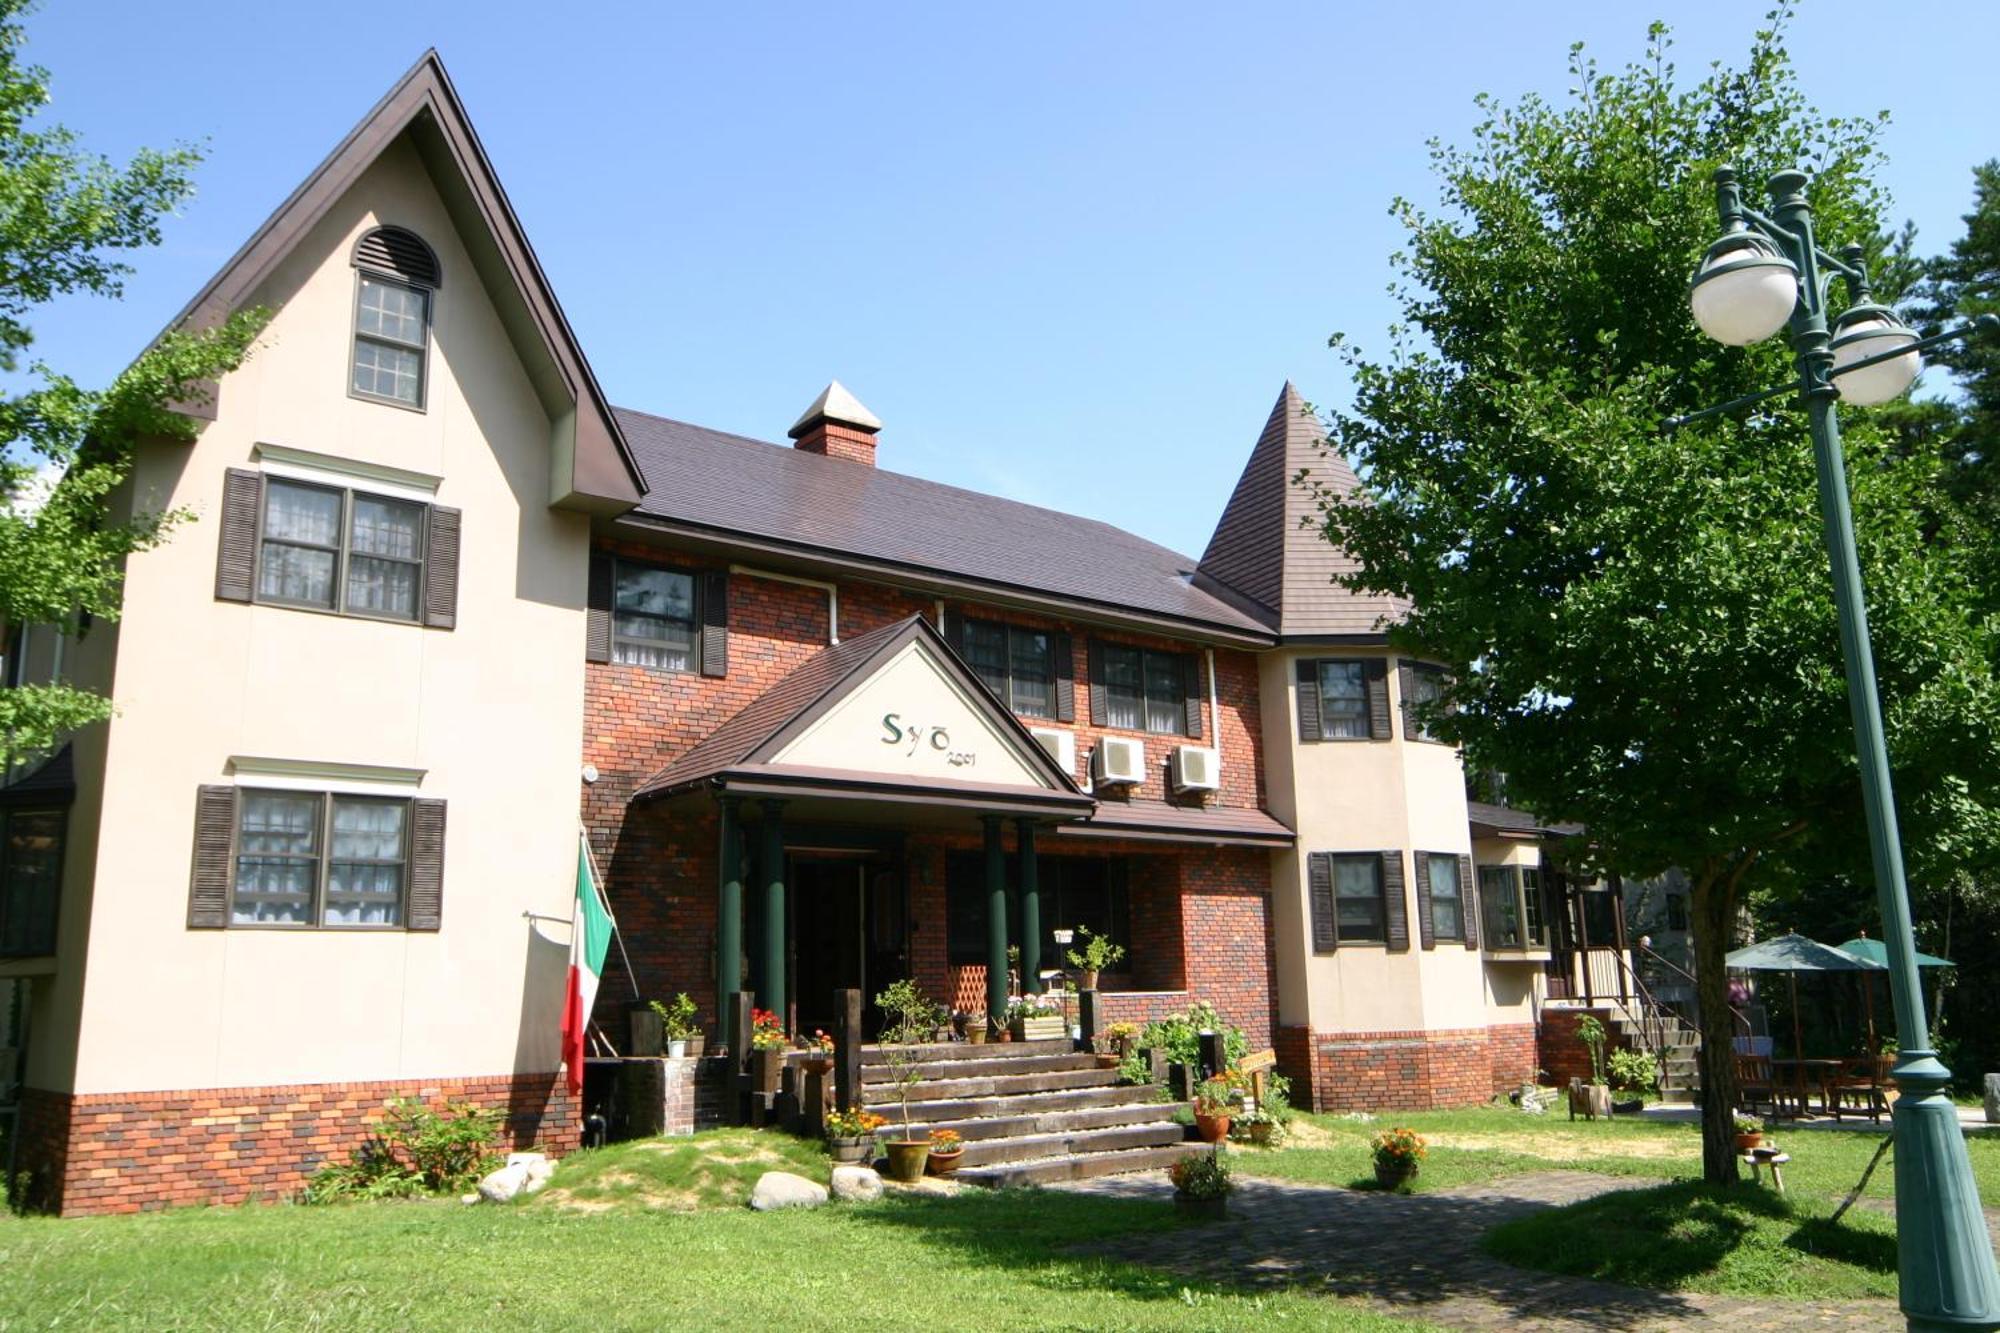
{"x": 489, "y": 711}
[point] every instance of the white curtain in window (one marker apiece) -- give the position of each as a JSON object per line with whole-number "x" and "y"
{"x": 277, "y": 857}
{"x": 364, "y": 885}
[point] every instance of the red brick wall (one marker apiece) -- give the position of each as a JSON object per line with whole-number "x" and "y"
{"x": 1562, "y": 1056}
{"x": 1397, "y": 1071}
{"x": 133, "y": 1152}
{"x": 1514, "y": 1052}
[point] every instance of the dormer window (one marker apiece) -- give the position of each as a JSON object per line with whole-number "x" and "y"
{"x": 396, "y": 274}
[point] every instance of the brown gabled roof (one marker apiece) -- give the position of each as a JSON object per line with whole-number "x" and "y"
{"x": 1502, "y": 821}
{"x": 764, "y": 726}
{"x": 1267, "y": 545}
{"x": 1160, "y": 821}
{"x": 706, "y": 483}
{"x": 423, "y": 104}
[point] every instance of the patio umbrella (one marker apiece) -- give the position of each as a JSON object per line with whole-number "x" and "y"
{"x": 1878, "y": 953}
{"x": 1793, "y": 954}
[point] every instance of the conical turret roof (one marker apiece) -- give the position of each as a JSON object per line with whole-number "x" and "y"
{"x": 1268, "y": 546}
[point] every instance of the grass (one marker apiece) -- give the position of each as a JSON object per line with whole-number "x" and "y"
{"x": 644, "y": 1237}
{"x": 1681, "y": 1236}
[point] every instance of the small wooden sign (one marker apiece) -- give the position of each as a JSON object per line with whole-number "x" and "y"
{"x": 1250, "y": 1064}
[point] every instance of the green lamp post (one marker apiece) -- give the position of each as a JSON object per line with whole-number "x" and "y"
{"x": 1764, "y": 274}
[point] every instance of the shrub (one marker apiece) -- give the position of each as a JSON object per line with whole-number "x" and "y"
{"x": 416, "y": 1151}
{"x": 1632, "y": 1071}
{"x": 1204, "y": 1176}
{"x": 1179, "y": 1035}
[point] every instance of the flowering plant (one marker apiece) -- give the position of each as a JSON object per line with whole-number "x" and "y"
{"x": 1399, "y": 1147}
{"x": 1122, "y": 1031}
{"x": 766, "y": 1032}
{"x": 945, "y": 1140}
{"x": 1219, "y": 1094}
{"x": 1032, "y": 1006}
{"x": 852, "y": 1124}
{"x": 819, "y": 1043}
{"x": 1203, "y": 1176}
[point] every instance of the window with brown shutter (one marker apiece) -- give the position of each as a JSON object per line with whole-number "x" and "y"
{"x": 1342, "y": 699}
{"x": 303, "y": 860}
{"x": 1395, "y": 901}
{"x": 663, "y": 617}
{"x": 1444, "y": 898}
{"x": 1320, "y": 903}
{"x": 1426, "y": 928}
{"x": 1144, "y": 689}
{"x": 1469, "y": 891}
{"x": 1422, "y": 686}
{"x": 1350, "y": 887}
{"x": 1065, "y": 655}
{"x": 236, "y": 560}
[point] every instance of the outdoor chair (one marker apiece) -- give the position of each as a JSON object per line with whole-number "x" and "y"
{"x": 1758, "y": 1086}
{"x": 1857, "y": 1090}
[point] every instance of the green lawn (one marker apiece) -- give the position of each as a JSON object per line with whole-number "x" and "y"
{"x": 1680, "y": 1236}
{"x": 639, "y": 1242}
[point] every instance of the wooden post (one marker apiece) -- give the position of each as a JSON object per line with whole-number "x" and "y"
{"x": 1090, "y": 1019}
{"x": 847, "y": 1049}
{"x": 737, "y": 1086}
{"x": 1157, "y": 1058}
{"x": 1031, "y": 908}
{"x": 1214, "y": 1057}
{"x": 1583, "y": 946}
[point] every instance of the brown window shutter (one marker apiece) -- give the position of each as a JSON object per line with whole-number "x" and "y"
{"x": 1096, "y": 668}
{"x": 1325, "y": 912}
{"x": 954, "y": 629}
{"x": 1406, "y": 685}
{"x": 1191, "y": 688}
{"x": 236, "y": 556}
{"x": 425, "y": 910}
{"x": 1308, "y": 696}
{"x": 1065, "y": 665}
{"x": 214, "y": 837}
{"x": 1468, "y": 901}
{"x": 1395, "y": 906}
{"x": 1376, "y": 674}
{"x": 1426, "y": 931}
{"x": 441, "y": 568}
{"x": 715, "y": 623}
{"x": 597, "y": 612}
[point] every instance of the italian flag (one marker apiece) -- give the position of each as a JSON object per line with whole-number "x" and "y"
{"x": 589, "y": 941}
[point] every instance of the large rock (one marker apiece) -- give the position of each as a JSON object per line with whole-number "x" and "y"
{"x": 537, "y": 1165}
{"x": 782, "y": 1189}
{"x": 856, "y": 1184}
{"x": 1993, "y": 1099}
{"x": 503, "y": 1184}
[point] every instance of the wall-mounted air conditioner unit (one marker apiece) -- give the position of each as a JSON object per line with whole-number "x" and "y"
{"x": 1196, "y": 768}
{"x": 1118, "y": 759}
{"x": 1060, "y": 744}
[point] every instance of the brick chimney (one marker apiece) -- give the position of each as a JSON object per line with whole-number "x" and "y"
{"x": 837, "y": 426}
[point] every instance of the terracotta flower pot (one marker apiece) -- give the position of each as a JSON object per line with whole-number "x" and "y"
{"x": 1212, "y": 1128}
{"x": 818, "y": 1064}
{"x": 944, "y": 1163}
{"x": 1107, "y": 1059}
{"x": 906, "y": 1159}
{"x": 1394, "y": 1175}
{"x": 1089, "y": 980}
{"x": 1745, "y": 1142}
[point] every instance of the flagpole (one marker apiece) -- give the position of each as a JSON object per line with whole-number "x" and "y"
{"x": 604, "y": 900}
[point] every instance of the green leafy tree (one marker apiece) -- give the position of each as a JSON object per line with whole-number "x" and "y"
{"x": 1640, "y": 619}
{"x": 67, "y": 219}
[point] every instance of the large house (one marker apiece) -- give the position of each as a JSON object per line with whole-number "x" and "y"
{"x": 819, "y": 718}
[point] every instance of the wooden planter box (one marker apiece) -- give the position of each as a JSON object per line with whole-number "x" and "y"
{"x": 1039, "y": 1029}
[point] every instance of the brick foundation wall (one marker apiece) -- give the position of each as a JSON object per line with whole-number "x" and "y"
{"x": 133, "y": 1152}
{"x": 1397, "y": 1071}
{"x": 1562, "y": 1056}
{"x": 1513, "y": 1049}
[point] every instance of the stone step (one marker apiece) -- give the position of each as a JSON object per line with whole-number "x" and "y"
{"x": 1069, "y": 1120}
{"x": 1072, "y": 1142}
{"x": 965, "y": 1050}
{"x": 934, "y": 1070}
{"x": 1677, "y": 1096}
{"x": 1000, "y": 1085}
{"x": 883, "y": 1101}
{"x": 1078, "y": 1166}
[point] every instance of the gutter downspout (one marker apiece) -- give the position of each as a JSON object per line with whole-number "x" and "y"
{"x": 1214, "y": 715}
{"x": 832, "y": 592}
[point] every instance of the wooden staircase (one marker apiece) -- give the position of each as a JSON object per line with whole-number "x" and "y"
{"x": 1029, "y": 1112}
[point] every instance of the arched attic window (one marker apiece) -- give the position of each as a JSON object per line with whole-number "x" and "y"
{"x": 397, "y": 272}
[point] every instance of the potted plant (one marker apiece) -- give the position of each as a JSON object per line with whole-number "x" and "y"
{"x": 1213, "y": 1103}
{"x": 975, "y": 1027}
{"x": 1201, "y": 1185}
{"x": 1098, "y": 953}
{"x": 1397, "y": 1154}
{"x": 677, "y": 1024}
{"x": 1122, "y": 1036}
{"x": 850, "y": 1135}
{"x": 1749, "y": 1133}
{"x": 768, "y": 1044}
{"x": 1592, "y": 1098}
{"x": 819, "y": 1052}
{"x": 1106, "y": 1055}
{"x": 947, "y": 1150}
{"x": 907, "y": 1155}
{"x": 1032, "y": 1018}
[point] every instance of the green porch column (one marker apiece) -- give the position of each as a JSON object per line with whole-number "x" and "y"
{"x": 996, "y": 921}
{"x": 728, "y": 912}
{"x": 1031, "y": 907}
{"x": 771, "y": 865}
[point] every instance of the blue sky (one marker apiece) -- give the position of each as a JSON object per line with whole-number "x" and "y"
{"x": 1067, "y": 253}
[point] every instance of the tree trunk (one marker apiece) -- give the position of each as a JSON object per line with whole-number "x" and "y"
{"x": 1712, "y": 904}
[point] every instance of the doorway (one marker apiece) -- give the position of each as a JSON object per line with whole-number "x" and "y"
{"x": 847, "y": 930}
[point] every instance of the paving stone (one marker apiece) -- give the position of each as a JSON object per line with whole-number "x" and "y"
{"x": 1418, "y": 1256}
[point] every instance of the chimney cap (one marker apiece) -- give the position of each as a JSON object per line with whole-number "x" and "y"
{"x": 835, "y": 403}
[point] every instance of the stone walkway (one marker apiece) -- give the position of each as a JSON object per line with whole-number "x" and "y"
{"x": 1418, "y": 1256}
